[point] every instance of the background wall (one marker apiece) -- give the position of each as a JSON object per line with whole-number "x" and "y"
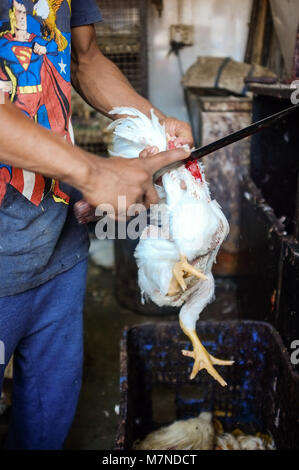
{"x": 221, "y": 29}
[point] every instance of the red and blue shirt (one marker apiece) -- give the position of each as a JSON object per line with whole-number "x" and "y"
{"x": 39, "y": 236}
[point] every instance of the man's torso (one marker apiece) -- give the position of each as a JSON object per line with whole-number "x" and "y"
{"x": 38, "y": 234}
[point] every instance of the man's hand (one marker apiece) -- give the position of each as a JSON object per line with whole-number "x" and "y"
{"x": 133, "y": 178}
{"x": 179, "y": 129}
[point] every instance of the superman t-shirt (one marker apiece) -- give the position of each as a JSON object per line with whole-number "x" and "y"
{"x": 39, "y": 236}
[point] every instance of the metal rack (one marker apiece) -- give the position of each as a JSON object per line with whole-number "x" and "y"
{"x": 122, "y": 37}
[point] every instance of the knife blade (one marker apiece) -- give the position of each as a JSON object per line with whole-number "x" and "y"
{"x": 201, "y": 152}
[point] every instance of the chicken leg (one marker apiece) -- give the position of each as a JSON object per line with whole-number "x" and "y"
{"x": 181, "y": 270}
{"x": 202, "y": 359}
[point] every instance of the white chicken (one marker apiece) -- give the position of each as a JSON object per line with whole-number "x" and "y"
{"x": 202, "y": 433}
{"x": 176, "y": 251}
{"x": 191, "y": 434}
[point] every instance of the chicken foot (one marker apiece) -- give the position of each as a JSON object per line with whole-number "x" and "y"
{"x": 181, "y": 270}
{"x": 202, "y": 359}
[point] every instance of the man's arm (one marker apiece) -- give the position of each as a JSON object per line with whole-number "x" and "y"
{"x": 103, "y": 86}
{"x": 25, "y": 144}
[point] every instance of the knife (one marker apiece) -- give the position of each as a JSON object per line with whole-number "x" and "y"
{"x": 201, "y": 152}
{"x": 86, "y": 213}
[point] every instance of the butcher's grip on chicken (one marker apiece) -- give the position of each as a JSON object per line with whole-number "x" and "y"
{"x": 176, "y": 251}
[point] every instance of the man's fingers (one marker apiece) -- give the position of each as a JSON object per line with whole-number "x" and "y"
{"x": 149, "y": 152}
{"x": 179, "y": 129}
{"x": 156, "y": 162}
{"x": 184, "y": 139}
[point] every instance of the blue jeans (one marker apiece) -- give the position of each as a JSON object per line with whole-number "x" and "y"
{"x": 43, "y": 328}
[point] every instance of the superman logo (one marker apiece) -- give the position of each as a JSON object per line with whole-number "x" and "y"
{"x": 23, "y": 54}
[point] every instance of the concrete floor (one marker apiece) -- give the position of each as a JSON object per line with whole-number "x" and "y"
{"x": 96, "y": 421}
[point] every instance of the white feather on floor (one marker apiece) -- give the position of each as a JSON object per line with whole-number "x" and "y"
{"x": 191, "y": 434}
{"x": 200, "y": 434}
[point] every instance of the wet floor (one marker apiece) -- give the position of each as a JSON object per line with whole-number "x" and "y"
{"x": 96, "y": 420}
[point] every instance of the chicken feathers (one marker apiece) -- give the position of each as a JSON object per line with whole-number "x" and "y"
{"x": 191, "y": 434}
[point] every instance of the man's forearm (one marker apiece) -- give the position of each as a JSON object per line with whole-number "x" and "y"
{"x": 99, "y": 81}
{"x": 25, "y": 144}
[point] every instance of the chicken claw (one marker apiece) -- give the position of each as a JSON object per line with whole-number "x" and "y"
{"x": 183, "y": 269}
{"x": 202, "y": 359}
